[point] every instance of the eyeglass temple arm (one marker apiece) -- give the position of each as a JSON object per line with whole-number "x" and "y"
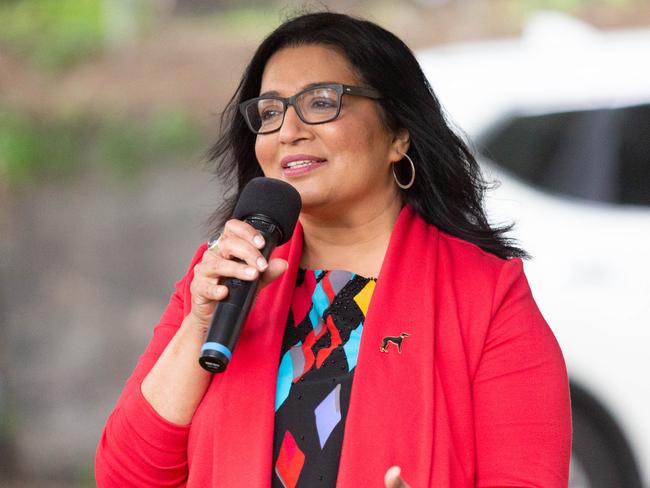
{"x": 359, "y": 90}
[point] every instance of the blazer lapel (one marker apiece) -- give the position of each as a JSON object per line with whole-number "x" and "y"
{"x": 390, "y": 417}
{"x": 246, "y": 391}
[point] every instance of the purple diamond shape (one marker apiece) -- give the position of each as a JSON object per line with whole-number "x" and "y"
{"x": 328, "y": 414}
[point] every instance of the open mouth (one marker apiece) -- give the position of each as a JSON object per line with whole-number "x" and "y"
{"x": 302, "y": 162}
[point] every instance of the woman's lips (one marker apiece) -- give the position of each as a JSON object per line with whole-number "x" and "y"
{"x": 300, "y": 164}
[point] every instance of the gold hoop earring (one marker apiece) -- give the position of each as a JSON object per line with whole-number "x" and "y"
{"x": 411, "y": 181}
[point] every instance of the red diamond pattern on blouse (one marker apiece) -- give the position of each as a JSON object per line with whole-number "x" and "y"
{"x": 290, "y": 461}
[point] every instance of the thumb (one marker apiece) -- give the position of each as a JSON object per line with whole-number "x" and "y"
{"x": 275, "y": 269}
{"x": 392, "y": 479}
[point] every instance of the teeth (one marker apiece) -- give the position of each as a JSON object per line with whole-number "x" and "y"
{"x": 297, "y": 164}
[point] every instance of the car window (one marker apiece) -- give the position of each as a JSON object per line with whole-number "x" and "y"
{"x": 601, "y": 155}
{"x": 635, "y": 156}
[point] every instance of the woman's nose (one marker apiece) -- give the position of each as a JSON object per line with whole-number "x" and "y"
{"x": 293, "y": 127}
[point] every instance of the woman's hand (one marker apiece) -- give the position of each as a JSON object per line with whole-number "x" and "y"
{"x": 239, "y": 241}
{"x": 175, "y": 385}
{"x": 392, "y": 478}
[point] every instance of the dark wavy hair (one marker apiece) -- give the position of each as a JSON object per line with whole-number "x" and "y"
{"x": 449, "y": 188}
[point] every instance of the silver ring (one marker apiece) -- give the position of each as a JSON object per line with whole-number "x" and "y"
{"x": 213, "y": 245}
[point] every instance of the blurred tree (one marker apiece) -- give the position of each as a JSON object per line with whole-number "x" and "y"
{"x": 52, "y": 34}
{"x": 120, "y": 21}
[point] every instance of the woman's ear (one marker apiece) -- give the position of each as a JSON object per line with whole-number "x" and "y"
{"x": 401, "y": 144}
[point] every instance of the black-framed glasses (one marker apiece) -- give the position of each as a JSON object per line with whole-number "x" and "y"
{"x": 315, "y": 105}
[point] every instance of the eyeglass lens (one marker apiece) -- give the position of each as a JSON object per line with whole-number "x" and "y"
{"x": 313, "y": 106}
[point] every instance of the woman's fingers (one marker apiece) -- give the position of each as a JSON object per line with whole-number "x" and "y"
{"x": 275, "y": 269}
{"x": 244, "y": 231}
{"x": 392, "y": 478}
{"x": 226, "y": 268}
{"x": 239, "y": 244}
{"x": 231, "y": 246}
{"x": 209, "y": 290}
{"x": 236, "y": 255}
{"x": 206, "y": 292}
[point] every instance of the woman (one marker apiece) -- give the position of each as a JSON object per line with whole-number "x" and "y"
{"x": 449, "y": 373}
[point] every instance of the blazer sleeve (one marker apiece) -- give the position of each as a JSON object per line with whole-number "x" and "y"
{"x": 521, "y": 394}
{"x": 138, "y": 447}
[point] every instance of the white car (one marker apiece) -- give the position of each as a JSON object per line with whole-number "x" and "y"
{"x": 561, "y": 117}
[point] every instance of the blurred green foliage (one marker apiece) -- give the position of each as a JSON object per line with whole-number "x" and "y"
{"x": 30, "y": 146}
{"x": 52, "y": 34}
{"x": 36, "y": 147}
{"x": 58, "y": 34}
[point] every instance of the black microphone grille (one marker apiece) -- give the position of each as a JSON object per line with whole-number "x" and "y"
{"x": 273, "y": 198}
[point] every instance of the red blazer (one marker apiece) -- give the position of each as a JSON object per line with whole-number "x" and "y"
{"x": 478, "y": 397}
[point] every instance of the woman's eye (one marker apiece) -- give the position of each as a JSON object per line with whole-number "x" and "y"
{"x": 322, "y": 103}
{"x": 269, "y": 114}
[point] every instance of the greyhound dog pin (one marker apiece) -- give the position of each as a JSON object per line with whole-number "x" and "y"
{"x": 395, "y": 340}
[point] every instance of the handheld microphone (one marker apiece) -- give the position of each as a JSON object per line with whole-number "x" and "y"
{"x": 272, "y": 207}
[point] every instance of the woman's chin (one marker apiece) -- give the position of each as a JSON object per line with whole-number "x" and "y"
{"x": 314, "y": 202}
{"x": 310, "y": 202}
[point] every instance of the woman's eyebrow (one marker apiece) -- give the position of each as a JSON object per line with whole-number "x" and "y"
{"x": 275, "y": 93}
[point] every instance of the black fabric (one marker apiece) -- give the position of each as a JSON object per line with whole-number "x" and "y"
{"x": 297, "y": 413}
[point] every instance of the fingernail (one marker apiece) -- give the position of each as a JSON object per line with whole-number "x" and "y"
{"x": 261, "y": 263}
{"x": 250, "y": 271}
{"x": 258, "y": 240}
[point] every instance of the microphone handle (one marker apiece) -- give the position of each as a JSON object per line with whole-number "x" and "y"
{"x": 231, "y": 312}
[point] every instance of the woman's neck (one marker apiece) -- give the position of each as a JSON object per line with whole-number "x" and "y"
{"x": 355, "y": 241}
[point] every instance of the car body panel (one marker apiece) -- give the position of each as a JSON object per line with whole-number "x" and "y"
{"x": 590, "y": 271}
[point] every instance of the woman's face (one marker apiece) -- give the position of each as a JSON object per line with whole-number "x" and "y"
{"x": 349, "y": 158}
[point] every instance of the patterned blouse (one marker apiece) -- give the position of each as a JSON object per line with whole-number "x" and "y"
{"x": 318, "y": 357}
